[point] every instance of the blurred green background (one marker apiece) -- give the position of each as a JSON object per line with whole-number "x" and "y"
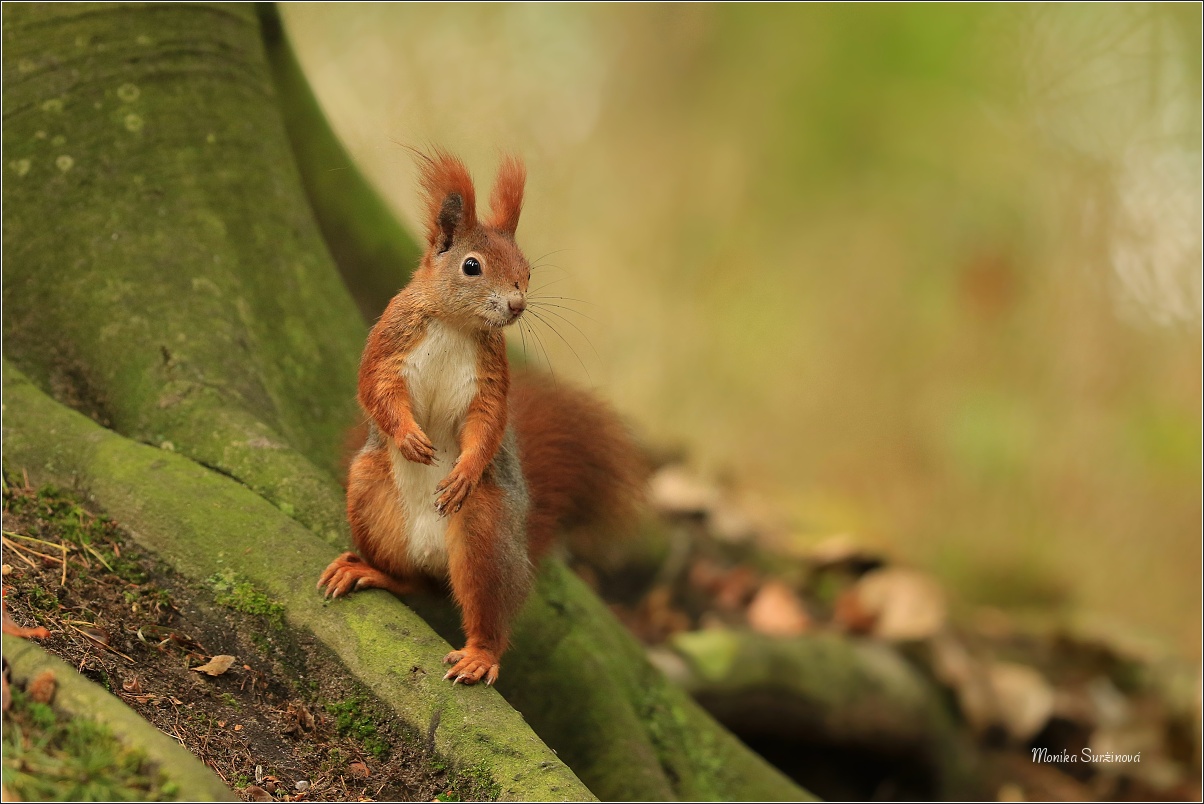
{"x": 926, "y": 275}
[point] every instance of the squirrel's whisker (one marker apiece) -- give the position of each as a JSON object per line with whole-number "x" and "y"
{"x": 556, "y": 332}
{"x": 574, "y": 326}
{"x": 547, "y": 285}
{"x": 543, "y": 304}
{"x": 522, "y": 334}
{"x": 559, "y": 298}
{"x": 547, "y": 359}
{"x": 549, "y": 254}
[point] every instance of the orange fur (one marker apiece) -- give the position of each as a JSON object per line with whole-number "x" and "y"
{"x": 577, "y": 462}
{"x": 480, "y": 581}
{"x": 581, "y": 464}
{"x": 382, "y": 391}
{"x": 506, "y": 201}
{"x": 375, "y": 514}
{"x": 441, "y": 175}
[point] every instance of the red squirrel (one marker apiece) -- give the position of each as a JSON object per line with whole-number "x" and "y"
{"x": 463, "y": 476}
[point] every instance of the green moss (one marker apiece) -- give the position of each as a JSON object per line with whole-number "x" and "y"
{"x": 352, "y": 721}
{"x": 477, "y": 782}
{"x": 241, "y": 595}
{"x": 48, "y": 758}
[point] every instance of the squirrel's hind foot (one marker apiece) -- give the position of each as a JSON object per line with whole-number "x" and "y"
{"x": 470, "y": 665}
{"x": 349, "y": 572}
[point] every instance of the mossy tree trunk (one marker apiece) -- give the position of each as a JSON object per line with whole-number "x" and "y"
{"x": 165, "y": 275}
{"x": 162, "y": 269}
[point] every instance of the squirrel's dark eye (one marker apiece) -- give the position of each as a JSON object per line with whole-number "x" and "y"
{"x": 472, "y": 267}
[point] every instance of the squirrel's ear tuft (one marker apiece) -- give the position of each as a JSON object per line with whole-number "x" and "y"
{"x": 451, "y": 200}
{"x": 506, "y": 202}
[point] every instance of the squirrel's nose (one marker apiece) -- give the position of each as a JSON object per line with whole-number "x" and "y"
{"x": 517, "y": 305}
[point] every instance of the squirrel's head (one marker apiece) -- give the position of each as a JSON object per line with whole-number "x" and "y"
{"x": 475, "y": 269}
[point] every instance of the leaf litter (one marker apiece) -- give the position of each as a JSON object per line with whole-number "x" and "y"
{"x": 1017, "y": 692}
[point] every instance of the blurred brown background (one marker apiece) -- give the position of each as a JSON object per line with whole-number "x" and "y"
{"x": 928, "y": 276}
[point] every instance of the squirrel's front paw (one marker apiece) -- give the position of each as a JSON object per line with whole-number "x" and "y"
{"x": 470, "y": 665}
{"x": 415, "y": 446}
{"x": 453, "y": 490}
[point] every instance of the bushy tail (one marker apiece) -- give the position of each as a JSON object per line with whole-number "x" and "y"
{"x": 584, "y": 470}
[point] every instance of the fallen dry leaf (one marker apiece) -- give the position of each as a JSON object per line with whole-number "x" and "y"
{"x": 298, "y": 718}
{"x": 955, "y": 667}
{"x": 674, "y": 490}
{"x": 215, "y": 666}
{"x": 1024, "y": 699}
{"x": 97, "y": 635}
{"x": 257, "y": 793}
{"x": 776, "y": 610}
{"x": 42, "y": 688}
{"x": 730, "y": 523}
{"x": 843, "y": 551}
{"x": 905, "y": 604}
{"x": 655, "y": 618}
{"x": 132, "y": 685}
{"x": 735, "y": 588}
{"x": 851, "y": 615}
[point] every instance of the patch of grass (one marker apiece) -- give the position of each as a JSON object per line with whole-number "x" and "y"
{"x": 41, "y": 599}
{"x": 60, "y": 517}
{"x": 229, "y": 700}
{"x": 47, "y": 758}
{"x": 352, "y": 721}
{"x": 241, "y": 595}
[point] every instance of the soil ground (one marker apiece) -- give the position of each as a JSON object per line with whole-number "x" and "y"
{"x": 284, "y": 722}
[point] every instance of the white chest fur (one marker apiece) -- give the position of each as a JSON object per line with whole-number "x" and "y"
{"x": 441, "y": 377}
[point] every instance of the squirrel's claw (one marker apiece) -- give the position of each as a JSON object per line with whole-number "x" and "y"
{"x": 416, "y": 447}
{"x": 471, "y": 665}
{"x": 453, "y": 490}
{"x": 349, "y": 572}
